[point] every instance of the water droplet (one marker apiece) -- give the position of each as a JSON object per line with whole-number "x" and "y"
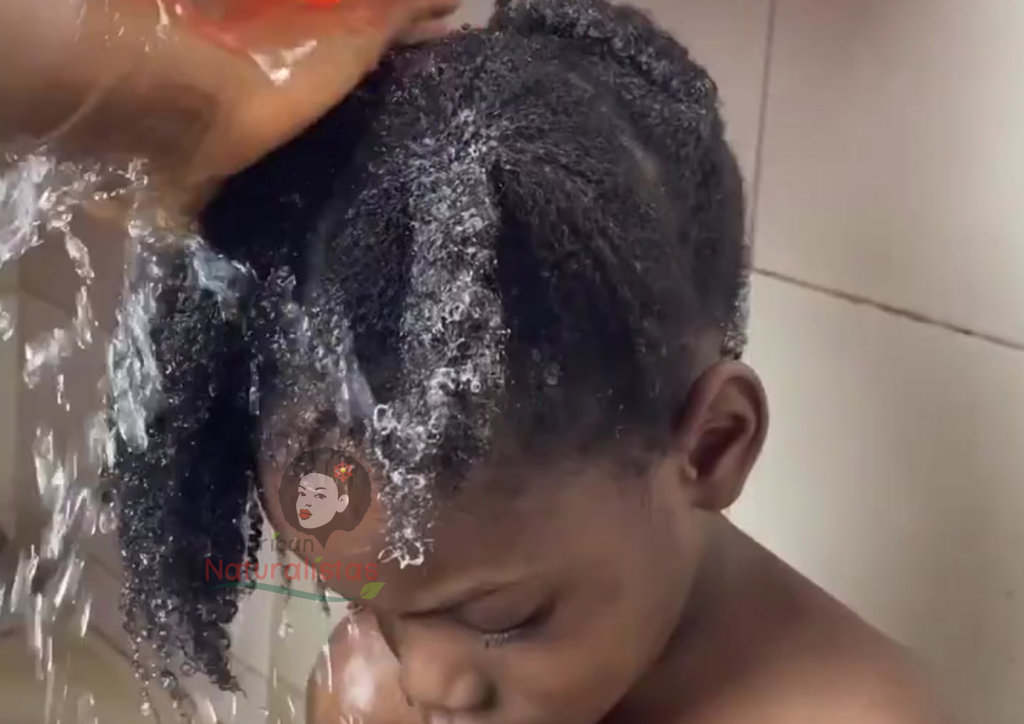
{"x": 83, "y": 322}
{"x": 83, "y": 622}
{"x": 552, "y": 374}
{"x": 79, "y": 256}
{"x": 284, "y": 628}
{"x": 168, "y": 680}
{"x": 6, "y": 325}
{"x": 87, "y": 709}
{"x": 67, "y": 583}
{"x": 108, "y": 520}
{"x": 43, "y": 353}
{"x": 278, "y": 65}
{"x": 146, "y": 708}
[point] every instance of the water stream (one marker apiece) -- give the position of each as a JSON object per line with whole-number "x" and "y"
{"x": 44, "y": 591}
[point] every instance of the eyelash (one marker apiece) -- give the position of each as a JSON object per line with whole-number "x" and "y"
{"x": 494, "y": 640}
{"x": 516, "y": 633}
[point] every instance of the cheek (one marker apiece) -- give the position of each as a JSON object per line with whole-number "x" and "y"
{"x": 594, "y": 654}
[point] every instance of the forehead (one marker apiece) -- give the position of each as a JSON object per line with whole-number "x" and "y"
{"x": 557, "y": 522}
{"x": 316, "y": 480}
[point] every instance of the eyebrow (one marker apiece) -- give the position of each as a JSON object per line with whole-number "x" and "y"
{"x": 462, "y": 598}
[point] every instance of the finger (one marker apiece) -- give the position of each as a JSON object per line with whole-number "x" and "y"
{"x": 213, "y": 31}
{"x": 425, "y": 31}
{"x": 434, "y": 9}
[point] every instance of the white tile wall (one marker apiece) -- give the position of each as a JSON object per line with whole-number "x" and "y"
{"x": 474, "y": 12}
{"x": 892, "y": 472}
{"x": 892, "y": 157}
{"x": 892, "y": 477}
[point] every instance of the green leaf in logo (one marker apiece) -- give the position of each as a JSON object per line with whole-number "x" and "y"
{"x": 318, "y": 559}
{"x": 370, "y": 590}
{"x": 276, "y": 534}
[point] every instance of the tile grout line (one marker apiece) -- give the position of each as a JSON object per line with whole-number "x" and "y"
{"x": 762, "y": 122}
{"x": 907, "y": 314}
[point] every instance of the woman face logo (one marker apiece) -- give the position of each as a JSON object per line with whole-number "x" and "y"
{"x": 319, "y": 500}
{"x": 323, "y": 491}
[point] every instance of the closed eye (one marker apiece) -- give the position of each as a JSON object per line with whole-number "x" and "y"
{"x": 529, "y": 625}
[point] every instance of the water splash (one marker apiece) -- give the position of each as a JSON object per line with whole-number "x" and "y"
{"x": 84, "y": 617}
{"x": 278, "y": 65}
{"x": 39, "y": 201}
{"x": 21, "y": 201}
{"x": 6, "y": 325}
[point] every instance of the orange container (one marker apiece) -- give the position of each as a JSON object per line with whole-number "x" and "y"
{"x": 240, "y": 10}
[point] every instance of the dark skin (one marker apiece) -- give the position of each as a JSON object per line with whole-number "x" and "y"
{"x": 116, "y": 79}
{"x": 587, "y": 598}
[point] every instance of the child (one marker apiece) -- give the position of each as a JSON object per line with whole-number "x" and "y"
{"x": 506, "y": 277}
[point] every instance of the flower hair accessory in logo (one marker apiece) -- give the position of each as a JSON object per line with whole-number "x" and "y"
{"x": 343, "y": 472}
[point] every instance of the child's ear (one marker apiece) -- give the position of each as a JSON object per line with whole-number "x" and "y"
{"x": 343, "y": 503}
{"x": 721, "y": 432}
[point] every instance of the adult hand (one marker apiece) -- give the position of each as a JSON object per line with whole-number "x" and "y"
{"x": 200, "y": 98}
{"x": 309, "y": 56}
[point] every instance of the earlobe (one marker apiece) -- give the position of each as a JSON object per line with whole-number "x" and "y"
{"x": 721, "y": 432}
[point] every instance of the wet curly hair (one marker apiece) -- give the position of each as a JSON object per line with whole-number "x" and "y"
{"x": 531, "y": 226}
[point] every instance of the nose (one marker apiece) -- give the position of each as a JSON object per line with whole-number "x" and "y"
{"x": 439, "y": 678}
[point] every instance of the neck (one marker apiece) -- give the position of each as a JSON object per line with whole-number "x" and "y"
{"x": 711, "y": 633}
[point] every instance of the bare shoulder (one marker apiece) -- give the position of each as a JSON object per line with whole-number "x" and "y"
{"x": 864, "y": 682}
{"x": 831, "y": 665}
{"x": 358, "y": 682}
{"x": 810, "y": 659}
{"x": 844, "y": 677}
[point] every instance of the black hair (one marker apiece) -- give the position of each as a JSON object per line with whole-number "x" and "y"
{"x": 532, "y": 227}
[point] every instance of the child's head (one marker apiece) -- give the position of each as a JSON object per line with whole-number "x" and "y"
{"x": 516, "y": 259}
